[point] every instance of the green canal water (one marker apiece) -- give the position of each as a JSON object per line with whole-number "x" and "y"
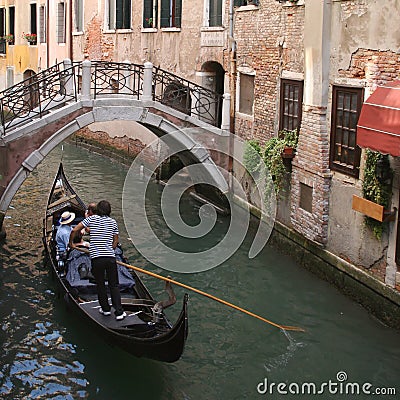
{"x": 49, "y": 354}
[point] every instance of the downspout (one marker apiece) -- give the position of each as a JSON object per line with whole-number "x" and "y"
{"x": 70, "y": 31}
{"x": 47, "y": 35}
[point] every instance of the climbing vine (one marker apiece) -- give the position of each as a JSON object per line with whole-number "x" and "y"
{"x": 375, "y": 191}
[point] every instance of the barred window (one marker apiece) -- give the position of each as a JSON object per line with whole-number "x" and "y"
{"x": 346, "y": 108}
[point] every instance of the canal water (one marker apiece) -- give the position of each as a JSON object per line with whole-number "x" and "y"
{"x": 49, "y": 354}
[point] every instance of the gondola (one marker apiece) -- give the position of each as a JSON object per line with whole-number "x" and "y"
{"x": 145, "y": 331}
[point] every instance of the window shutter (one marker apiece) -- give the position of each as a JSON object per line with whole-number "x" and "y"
{"x": 127, "y": 14}
{"x": 79, "y": 15}
{"x": 11, "y": 17}
{"x": 165, "y": 14}
{"x": 42, "y": 24}
{"x": 178, "y": 13}
{"x": 111, "y": 14}
{"x": 119, "y": 14}
{"x": 2, "y": 21}
{"x": 33, "y": 18}
{"x": 61, "y": 23}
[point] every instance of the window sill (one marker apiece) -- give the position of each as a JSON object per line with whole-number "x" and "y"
{"x": 212, "y": 29}
{"x": 290, "y": 4}
{"x": 249, "y": 117}
{"x": 171, "y": 29}
{"x": 123, "y": 31}
{"x": 149, "y": 30}
{"x": 108, "y": 31}
{"x": 249, "y": 7}
{"x": 77, "y": 33}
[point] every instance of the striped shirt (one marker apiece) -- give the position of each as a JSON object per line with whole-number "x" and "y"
{"x": 102, "y": 231}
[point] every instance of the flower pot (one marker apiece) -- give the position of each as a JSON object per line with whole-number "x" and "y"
{"x": 288, "y": 152}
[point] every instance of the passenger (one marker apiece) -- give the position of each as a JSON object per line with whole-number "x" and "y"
{"x": 103, "y": 241}
{"x": 91, "y": 210}
{"x": 64, "y": 231}
{"x": 79, "y": 242}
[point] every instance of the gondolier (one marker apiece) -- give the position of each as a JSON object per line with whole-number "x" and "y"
{"x": 103, "y": 241}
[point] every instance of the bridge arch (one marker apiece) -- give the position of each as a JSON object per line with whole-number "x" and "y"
{"x": 101, "y": 111}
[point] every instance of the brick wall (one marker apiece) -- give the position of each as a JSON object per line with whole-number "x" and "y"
{"x": 269, "y": 39}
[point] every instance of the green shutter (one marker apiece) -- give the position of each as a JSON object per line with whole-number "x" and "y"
{"x": 165, "y": 14}
{"x": 178, "y": 13}
{"x": 127, "y": 14}
{"x": 119, "y": 14}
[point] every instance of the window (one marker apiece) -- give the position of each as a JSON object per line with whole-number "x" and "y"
{"x": 246, "y": 94}
{"x": 306, "y": 195}
{"x": 215, "y": 13}
{"x": 291, "y": 101}
{"x": 78, "y": 15}
{"x": 150, "y": 14}
{"x": 346, "y": 107}
{"x": 33, "y": 21}
{"x": 2, "y": 30}
{"x": 119, "y": 14}
{"x": 171, "y": 13}
{"x": 11, "y": 18}
{"x": 42, "y": 24}
{"x": 61, "y": 23}
{"x": 123, "y": 14}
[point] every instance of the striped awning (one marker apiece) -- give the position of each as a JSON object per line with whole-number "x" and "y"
{"x": 378, "y": 127}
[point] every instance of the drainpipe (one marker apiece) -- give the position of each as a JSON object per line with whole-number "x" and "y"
{"x": 47, "y": 34}
{"x": 70, "y": 32}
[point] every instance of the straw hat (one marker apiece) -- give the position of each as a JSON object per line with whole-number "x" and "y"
{"x": 67, "y": 217}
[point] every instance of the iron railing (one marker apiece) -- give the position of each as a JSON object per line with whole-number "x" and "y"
{"x": 34, "y": 97}
{"x": 111, "y": 78}
{"x": 186, "y": 96}
{"x": 54, "y": 87}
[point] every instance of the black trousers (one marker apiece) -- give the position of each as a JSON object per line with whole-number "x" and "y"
{"x": 108, "y": 265}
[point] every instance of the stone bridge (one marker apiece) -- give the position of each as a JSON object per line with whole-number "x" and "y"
{"x": 42, "y": 111}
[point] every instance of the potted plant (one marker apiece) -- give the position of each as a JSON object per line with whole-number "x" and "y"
{"x": 290, "y": 137}
{"x": 31, "y": 38}
{"x": 149, "y": 22}
{"x": 8, "y": 38}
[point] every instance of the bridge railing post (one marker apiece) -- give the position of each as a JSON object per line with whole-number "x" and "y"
{"x": 226, "y": 112}
{"x": 86, "y": 79}
{"x": 147, "y": 94}
{"x": 127, "y": 78}
{"x": 69, "y": 79}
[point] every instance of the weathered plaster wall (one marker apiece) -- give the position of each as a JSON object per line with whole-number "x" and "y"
{"x": 365, "y": 52}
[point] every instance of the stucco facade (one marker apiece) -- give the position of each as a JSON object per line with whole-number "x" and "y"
{"x": 50, "y": 21}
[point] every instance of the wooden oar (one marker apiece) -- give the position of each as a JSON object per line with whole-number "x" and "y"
{"x": 210, "y": 296}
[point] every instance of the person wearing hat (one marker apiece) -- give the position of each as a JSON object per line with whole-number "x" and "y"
{"x": 64, "y": 231}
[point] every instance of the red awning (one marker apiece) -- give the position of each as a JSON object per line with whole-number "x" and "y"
{"x": 378, "y": 127}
